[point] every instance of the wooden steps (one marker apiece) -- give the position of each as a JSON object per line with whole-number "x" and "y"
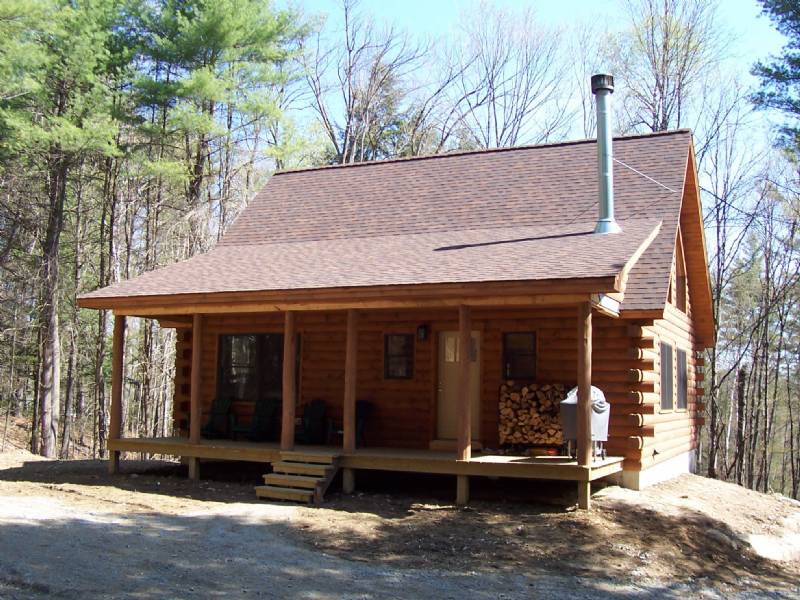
{"x": 300, "y": 476}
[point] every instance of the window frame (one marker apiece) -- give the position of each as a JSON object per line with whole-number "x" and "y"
{"x": 409, "y": 355}
{"x": 506, "y": 365}
{"x": 667, "y": 380}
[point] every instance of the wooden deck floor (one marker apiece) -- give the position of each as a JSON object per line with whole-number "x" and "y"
{"x": 383, "y": 459}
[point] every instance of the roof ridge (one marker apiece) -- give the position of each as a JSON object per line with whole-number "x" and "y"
{"x": 403, "y": 159}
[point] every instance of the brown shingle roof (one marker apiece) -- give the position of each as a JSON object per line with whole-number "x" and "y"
{"x": 520, "y": 214}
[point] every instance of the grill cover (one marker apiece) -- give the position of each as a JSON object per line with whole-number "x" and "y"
{"x": 601, "y": 410}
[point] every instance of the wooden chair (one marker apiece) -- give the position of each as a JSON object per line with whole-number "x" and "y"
{"x": 313, "y": 428}
{"x": 263, "y": 426}
{"x": 220, "y": 419}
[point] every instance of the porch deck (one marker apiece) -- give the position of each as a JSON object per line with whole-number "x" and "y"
{"x": 383, "y": 459}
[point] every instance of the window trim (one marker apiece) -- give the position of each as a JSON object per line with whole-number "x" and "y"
{"x": 505, "y": 356}
{"x": 409, "y": 356}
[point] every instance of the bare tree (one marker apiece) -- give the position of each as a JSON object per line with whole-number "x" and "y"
{"x": 513, "y": 78}
{"x": 661, "y": 59}
{"x": 356, "y": 82}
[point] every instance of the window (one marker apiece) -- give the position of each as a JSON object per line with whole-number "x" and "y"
{"x": 666, "y": 377}
{"x": 519, "y": 355}
{"x": 398, "y": 356}
{"x": 250, "y": 366}
{"x": 683, "y": 380}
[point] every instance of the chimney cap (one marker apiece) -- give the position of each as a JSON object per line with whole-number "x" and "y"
{"x": 602, "y": 81}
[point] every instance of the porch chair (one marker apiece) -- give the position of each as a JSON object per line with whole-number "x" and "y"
{"x": 262, "y": 427}
{"x": 364, "y": 410}
{"x": 220, "y": 419}
{"x": 313, "y": 426}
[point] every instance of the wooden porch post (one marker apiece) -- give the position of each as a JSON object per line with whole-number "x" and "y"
{"x": 584, "y": 415}
{"x": 464, "y": 446}
{"x": 289, "y": 387}
{"x": 195, "y": 397}
{"x": 117, "y": 366}
{"x": 349, "y": 406}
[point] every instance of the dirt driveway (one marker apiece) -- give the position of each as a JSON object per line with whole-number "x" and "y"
{"x": 69, "y": 531}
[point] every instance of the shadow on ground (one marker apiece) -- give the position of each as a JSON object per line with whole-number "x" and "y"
{"x": 399, "y": 536}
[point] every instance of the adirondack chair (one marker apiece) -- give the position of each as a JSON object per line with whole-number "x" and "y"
{"x": 264, "y": 425}
{"x": 364, "y": 410}
{"x": 220, "y": 419}
{"x": 313, "y": 428}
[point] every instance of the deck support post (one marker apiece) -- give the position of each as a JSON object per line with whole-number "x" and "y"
{"x": 348, "y": 481}
{"x": 350, "y": 372}
{"x": 464, "y": 447}
{"x": 289, "y": 394}
{"x": 195, "y": 395}
{"x": 462, "y": 490}
{"x": 584, "y": 408}
{"x": 194, "y": 468}
{"x": 117, "y": 368}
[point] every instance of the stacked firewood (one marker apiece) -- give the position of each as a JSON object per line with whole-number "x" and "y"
{"x": 529, "y": 414}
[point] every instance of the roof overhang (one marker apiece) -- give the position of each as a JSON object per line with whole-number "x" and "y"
{"x": 501, "y": 294}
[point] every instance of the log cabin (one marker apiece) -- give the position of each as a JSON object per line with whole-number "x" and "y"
{"x": 458, "y": 297}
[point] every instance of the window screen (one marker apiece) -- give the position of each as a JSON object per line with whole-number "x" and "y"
{"x": 683, "y": 380}
{"x": 666, "y": 377}
{"x": 398, "y": 356}
{"x": 519, "y": 355}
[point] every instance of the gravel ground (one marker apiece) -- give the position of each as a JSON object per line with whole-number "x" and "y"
{"x": 69, "y": 531}
{"x": 53, "y": 549}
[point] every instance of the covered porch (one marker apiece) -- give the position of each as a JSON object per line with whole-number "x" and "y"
{"x": 562, "y": 468}
{"x": 463, "y": 461}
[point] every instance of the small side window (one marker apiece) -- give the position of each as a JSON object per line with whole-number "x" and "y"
{"x": 667, "y": 402}
{"x": 683, "y": 380}
{"x": 519, "y": 355}
{"x": 398, "y": 356}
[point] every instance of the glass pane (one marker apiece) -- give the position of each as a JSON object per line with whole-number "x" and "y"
{"x": 519, "y": 354}
{"x": 398, "y": 345}
{"x": 451, "y": 349}
{"x": 238, "y": 367}
{"x": 666, "y": 377}
{"x": 399, "y": 355}
{"x": 398, "y": 367}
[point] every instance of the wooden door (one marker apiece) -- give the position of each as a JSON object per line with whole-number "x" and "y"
{"x": 447, "y": 386}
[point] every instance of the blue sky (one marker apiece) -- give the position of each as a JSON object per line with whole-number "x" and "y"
{"x": 753, "y": 35}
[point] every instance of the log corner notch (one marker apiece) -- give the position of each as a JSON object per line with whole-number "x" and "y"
{"x": 584, "y": 416}
{"x": 117, "y": 370}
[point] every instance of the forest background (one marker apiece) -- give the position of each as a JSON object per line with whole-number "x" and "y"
{"x": 132, "y": 133}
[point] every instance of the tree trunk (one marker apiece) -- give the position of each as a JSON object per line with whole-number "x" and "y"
{"x": 50, "y": 385}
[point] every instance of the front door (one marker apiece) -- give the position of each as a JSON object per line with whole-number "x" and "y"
{"x": 447, "y": 412}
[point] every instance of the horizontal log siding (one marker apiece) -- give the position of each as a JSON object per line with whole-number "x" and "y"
{"x": 405, "y": 409}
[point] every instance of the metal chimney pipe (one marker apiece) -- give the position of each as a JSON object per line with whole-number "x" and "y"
{"x": 602, "y": 88}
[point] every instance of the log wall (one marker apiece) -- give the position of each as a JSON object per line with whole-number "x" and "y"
{"x": 624, "y": 366}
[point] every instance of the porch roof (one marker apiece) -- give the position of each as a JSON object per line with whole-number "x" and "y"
{"x": 532, "y": 253}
